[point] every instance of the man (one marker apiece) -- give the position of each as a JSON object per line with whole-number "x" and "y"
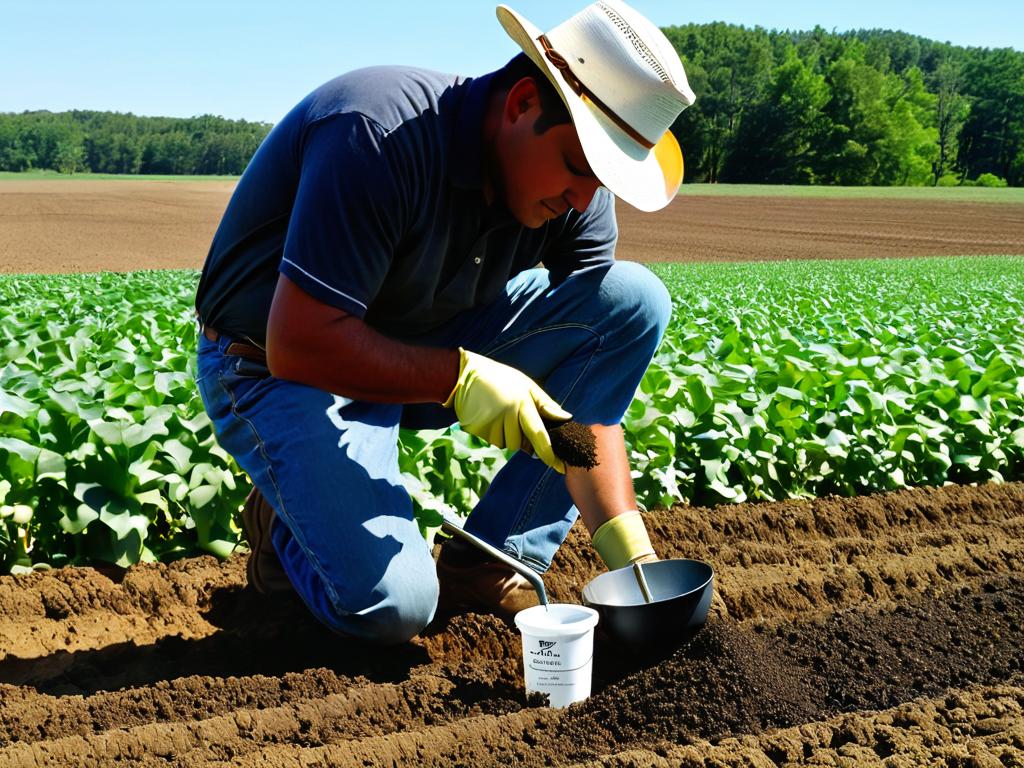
{"x": 377, "y": 267}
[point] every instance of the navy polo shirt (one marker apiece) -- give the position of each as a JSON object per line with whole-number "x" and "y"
{"x": 369, "y": 196}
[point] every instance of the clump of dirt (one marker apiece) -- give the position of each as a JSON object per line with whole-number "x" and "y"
{"x": 574, "y": 443}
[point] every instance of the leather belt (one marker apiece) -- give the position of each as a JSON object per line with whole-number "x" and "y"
{"x": 238, "y": 348}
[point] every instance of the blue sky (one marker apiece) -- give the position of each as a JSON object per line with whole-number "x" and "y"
{"x": 255, "y": 59}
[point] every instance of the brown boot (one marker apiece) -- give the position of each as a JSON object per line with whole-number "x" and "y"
{"x": 264, "y": 569}
{"x": 471, "y": 581}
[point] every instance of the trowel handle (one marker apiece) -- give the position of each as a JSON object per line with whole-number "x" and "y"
{"x": 521, "y": 568}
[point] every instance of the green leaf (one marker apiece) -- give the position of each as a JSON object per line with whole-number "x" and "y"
{"x": 76, "y": 520}
{"x": 180, "y": 455}
{"x": 11, "y": 403}
{"x": 203, "y": 495}
{"x": 789, "y": 392}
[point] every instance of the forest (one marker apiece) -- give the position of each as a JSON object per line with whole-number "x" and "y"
{"x": 113, "y": 142}
{"x": 870, "y": 107}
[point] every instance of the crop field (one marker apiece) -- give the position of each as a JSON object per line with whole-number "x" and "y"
{"x": 843, "y": 439}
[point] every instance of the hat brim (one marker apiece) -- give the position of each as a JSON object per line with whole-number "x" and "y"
{"x": 646, "y": 179}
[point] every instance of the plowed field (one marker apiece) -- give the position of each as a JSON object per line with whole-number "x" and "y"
{"x": 884, "y": 629}
{"x": 81, "y": 225}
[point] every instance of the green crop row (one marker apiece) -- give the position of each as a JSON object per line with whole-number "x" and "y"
{"x": 102, "y": 433}
{"x": 774, "y": 380}
{"x": 788, "y": 379}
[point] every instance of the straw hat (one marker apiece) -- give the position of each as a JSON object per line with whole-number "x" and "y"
{"x": 624, "y": 86}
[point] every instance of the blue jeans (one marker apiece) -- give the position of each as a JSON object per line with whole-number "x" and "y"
{"x": 344, "y": 528}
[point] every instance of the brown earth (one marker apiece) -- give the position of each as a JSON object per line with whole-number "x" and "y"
{"x": 883, "y": 630}
{"x": 772, "y": 228}
{"x": 74, "y": 226}
{"x": 85, "y": 226}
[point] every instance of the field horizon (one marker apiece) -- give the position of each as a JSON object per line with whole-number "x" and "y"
{"x": 1012, "y": 195}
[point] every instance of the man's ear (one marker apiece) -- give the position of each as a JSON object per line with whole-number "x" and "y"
{"x": 521, "y": 98}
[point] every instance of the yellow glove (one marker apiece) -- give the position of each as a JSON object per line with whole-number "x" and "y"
{"x": 504, "y": 406}
{"x": 623, "y": 540}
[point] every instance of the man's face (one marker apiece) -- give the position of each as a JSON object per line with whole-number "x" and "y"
{"x": 540, "y": 177}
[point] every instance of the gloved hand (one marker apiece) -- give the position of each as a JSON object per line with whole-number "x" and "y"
{"x": 623, "y": 540}
{"x": 504, "y": 406}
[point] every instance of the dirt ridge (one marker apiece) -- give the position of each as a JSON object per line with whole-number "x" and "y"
{"x": 780, "y": 560}
{"x": 839, "y": 609}
{"x": 978, "y": 725}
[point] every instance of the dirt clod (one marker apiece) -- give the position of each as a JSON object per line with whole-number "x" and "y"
{"x": 574, "y": 444}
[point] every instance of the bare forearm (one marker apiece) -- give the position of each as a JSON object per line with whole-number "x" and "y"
{"x": 348, "y": 358}
{"x": 606, "y": 490}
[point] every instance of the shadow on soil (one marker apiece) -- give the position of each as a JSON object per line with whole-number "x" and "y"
{"x": 257, "y": 636}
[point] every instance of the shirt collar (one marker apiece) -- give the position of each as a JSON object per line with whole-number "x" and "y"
{"x": 465, "y": 155}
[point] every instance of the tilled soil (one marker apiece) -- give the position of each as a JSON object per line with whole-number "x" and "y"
{"x": 53, "y": 226}
{"x": 878, "y": 630}
{"x": 80, "y": 226}
{"x": 716, "y": 228}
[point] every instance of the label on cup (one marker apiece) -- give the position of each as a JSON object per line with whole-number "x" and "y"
{"x": 558, "y": 651}
{"x": 556, "y": 655}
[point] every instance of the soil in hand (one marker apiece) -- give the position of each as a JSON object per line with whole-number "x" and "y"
{"x": 574, "y": 444}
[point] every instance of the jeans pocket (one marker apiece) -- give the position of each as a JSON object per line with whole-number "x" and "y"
{"x": 243, "y": 380}
{"x": 250, "y": 369}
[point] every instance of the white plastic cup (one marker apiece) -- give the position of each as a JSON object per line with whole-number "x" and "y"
{"x": 558, "y": 651}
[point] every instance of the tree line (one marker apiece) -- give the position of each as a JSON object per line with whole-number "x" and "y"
{"x": 871, "y": 107}
{"x": 867, "y": 107}
{"x": 112, "y": 142}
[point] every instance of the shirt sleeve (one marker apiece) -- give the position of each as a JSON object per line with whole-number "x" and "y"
{"x": 587, "y": 240}
{"x": 348, "y": 212}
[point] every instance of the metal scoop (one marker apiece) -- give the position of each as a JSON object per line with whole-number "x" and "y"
{"x": 453, "y": 529}
{"x": 638, "y": 571}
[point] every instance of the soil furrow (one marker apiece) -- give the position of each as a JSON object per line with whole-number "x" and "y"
{"x": 364, "y": 712}
{"x": 55, "y": 617}
{"x": 782, "y": 560}
{"x": 733, "y": 679}
{"x": 818, "y": 580}
{"x": 978, "y": 726}
{"x": 74, "y": 609}
{"x": 479, "y": 741}
{"x": 836, "y": 605}
{"x": 349, "y": 708}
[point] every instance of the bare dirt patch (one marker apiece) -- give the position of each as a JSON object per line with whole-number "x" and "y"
{"x": 75, "y": 226}
{"x": 882, "y": 628}
{"x": 697, "y": 228}
{"x": 85, "y": 226}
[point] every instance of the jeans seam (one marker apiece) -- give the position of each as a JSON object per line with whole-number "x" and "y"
{"x": 277, "y": 490}
{"x": 534, "y": 331}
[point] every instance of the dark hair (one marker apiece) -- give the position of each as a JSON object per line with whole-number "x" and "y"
{"x": 552, "y": 109}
